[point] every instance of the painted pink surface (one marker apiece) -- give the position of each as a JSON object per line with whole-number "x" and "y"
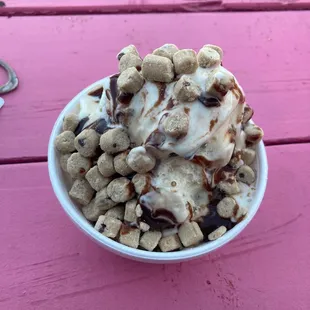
{"x": 47, "y": 263}
{"x": 63, "y": 54}
{"x": 122, "y": 6}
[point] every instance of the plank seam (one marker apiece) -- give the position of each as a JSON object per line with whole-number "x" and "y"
{"x": 213, "y": 6}
{"x": 42, "y": 159}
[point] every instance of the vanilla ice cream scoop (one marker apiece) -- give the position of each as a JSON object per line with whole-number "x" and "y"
{"x": 186, "y": 120}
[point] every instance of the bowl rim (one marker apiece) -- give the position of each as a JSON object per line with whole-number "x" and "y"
{"x": 123, "y": 250}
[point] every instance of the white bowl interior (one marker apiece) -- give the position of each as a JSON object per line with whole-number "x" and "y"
{"x": 60, "y": 186}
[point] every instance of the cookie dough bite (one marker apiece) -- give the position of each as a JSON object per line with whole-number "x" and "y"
{"x": 190, "y": 234}
{"x": 226, "y": 208}
{"x": 129, "y": 60}
{"x": 114, "y": 141}
{"x": 87, "y": 142}
{"x": 129, "y": 236}
{"x": 117, "y": 212}
{"x": 63, "y": 159}
{"x": 186, "y": 89}
{"x": 64, "y": 142}
{"x": 248, "y": 156}
{"x": 247, "y": 114}
{"x": 219, "y": 232}
{"x": 254, "y": 134}
{"x": 219, "y": 84}
{"x": 150, "y": 240}
{"x": 216, "y": 48}
{"x": 81, "y": 192}
{"x": 106, "y": 165}
{"x": 103, "y": 201}
{"x": 185, "y": 61}
{"x": 229, "y": 187}
{"x": 120, "y": 164}
{"x": 92, "y": 211}
{"x": 208, "y": 57}
{"x": 142, "y": 183}
{"x": 157, "y": 68}
{"x": 130, "y": 211}
{"x": 120, "y": 190}
{"x": 78, "y": 166}
{"x": 130, "y": 81}
{"x": 140, "y": 160}
{"x": 176, "y": 125}
{"x": 108, "y": 226}
{"x": 246, "y": 174}
{"x": 167, "y": 50}
{"x": 130, "y": 49}
{"x": 70, "y": 122}
{"x": 170, "y": 243}
{"x": 96, "y": 180}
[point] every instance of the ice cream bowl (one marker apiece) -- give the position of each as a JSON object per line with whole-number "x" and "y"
{"x": 60, "y": 184}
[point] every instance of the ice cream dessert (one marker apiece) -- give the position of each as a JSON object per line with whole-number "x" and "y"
{"x": 160, "y": 154}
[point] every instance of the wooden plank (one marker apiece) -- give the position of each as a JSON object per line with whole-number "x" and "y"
{"x": 48, "y": 7}
{"x": 47, "y": 263}
{"x": 61, "y": 55}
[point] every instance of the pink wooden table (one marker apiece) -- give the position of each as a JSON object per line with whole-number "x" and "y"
{"x": 46, "y": 262}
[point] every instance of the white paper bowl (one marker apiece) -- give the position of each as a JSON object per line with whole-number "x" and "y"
{"x": 60, "y": 187}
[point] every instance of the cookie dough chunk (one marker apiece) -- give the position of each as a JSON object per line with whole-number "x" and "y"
{"x": 63, "y": 160}
{"x": 77, "y": 166}
{"x": 219, "y": 232}
{"x": 208, "y": 57}
{"x": 190, "y": 234}
{"x": 96, "y": 180}
{"x": 245, "y": 174}
{"x": 129, "y": 236}
{"x": 186, "y": 89}
{"x": 120, "y": 190}
{"x": 120, "y": 164}
{"x": 102, "y": 200}
{"x": 142, "y": 183}
{"x": 248, "y": 156}
{"x": 81, "y": 192}
{"x": 92, "y": 211}
{"x": 176, "y": 125}
{"x": 185, "y": 61}
{"x": 240, "y": 215}
{"x": 129, "y": 60}
{"x": 144, "y": 227}
{"x": 117, "y": 212}
{"x": 170, "y": 243}
{"x": 114, "y": 141}
{"x": 216, "y": 48}
{"x": 157, "y": 68}
{"x": 130, "y": 211}
{"x": 254, "y": 134}
{"x": 140, "y": 160}
{"x": 64, "y": 142}
{"x": 138, "y": 211}
{"x": 106, "y": 165}
{"x": 227, "y": 207}
{"x": 108, "y": 226}
{"x": 247, "y": 113}
{"x": 150, "y": 239}
{"x": 230, "y": 188}
{"x": 167, "y": 50}
{"x": 130, "y": 49}
{"x": 87, "y": 142}
{"x": 70, "y": 122}
{"x": 130, "y": 81}
{"x": 219, "y": 84}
